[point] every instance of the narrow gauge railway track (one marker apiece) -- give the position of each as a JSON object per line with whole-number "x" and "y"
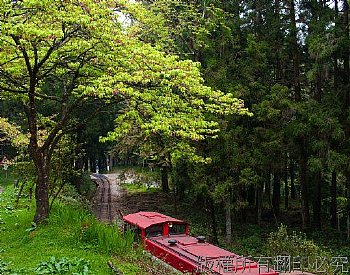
{"x": 103, "y": 206}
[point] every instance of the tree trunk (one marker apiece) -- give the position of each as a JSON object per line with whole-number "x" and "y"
{"x": 286, "y": 187}
{"x": 295, "y": 56}
{"x": 333, "y": 189}
{"x": 346, "y": 53}
{"x": 334, "y": 200}
{"x": 293, "y": 193}
{"x": 165, "y": 179}
{"x": 276, "y": 195}
{"x": 214, "y": 237}
{"x": 41, "y": 190}
{"x": 259, "y": 198}
{"x": 305, "y": 212}
{"x": 268, "y": 187}
{"x": 228, "y": 222}
{"x": 317, "y": 200}
{"x": 347, "y": 182}
{"x": 346, "y": 79}
{"x": 19, "y": 193}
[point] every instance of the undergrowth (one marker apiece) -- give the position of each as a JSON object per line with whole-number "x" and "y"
{"x": 72, "y": 242}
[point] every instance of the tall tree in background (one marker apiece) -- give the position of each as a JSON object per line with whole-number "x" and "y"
{"x": 81, "y": 48}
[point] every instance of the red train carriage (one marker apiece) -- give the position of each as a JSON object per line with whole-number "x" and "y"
{"x": 169, "y": 240}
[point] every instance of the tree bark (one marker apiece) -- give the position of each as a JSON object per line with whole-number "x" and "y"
{"x": 334, "y": 200}
{"x": 259, "y": 199}
{"x": 347, "y": 186}
{"x": 41, "y": 189}
{"x": 214, "y": 238}
{"x": 228, "y": 222}
{"x": 276, "y": 195}
{"x": 165, "y": 179}
{"x": 317, "y": 199}
{"x": 293, "y": 193}
{"x": 286, "y": 186}
{"x": 305, "y": 211}
{"x": 294, "y": 49}
{"x": 19, "y": 194}
{"x": 346, "y": 52}
{"x": 268, "y": 186}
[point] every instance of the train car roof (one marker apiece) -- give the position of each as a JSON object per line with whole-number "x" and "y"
{"x": 209, "y": 258}
{"x": 146, "y": 219}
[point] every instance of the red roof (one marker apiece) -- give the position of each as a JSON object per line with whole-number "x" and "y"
{"x": 146, "y": 219}
{"x": 206, "y": 255}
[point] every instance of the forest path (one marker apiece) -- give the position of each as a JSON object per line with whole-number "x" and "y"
{"x": 105, "y": 201}
{"x": 111, "y": 201}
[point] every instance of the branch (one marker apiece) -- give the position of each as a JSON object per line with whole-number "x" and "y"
{"x": 58, "y": 127}
{"x": 49, "y": 97}
{"x": 24, "y": 53}
{"x": 56, "y": 45}
{"x": 72, "y": 128}
{"x": 35, "y": 54}
{"x": 13, "y": 90}
{"x": 11, "y": 79}
{"x": 56, "y": 195}
{"x": 10, "y": 60}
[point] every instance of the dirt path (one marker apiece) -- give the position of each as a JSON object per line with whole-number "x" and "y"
{"x": 111, "y": 201}
{"x": 105, "y": 202}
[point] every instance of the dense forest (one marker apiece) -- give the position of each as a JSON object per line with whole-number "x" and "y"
{"x": 270, "y": 135}
{"x": 289, "y": 62}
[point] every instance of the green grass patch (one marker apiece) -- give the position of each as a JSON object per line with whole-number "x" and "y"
{"x": 139, "y": 180}
{"x": 73, "y": 241}
{"x": 6, "y": 177}
{"x": 134, "y": 188}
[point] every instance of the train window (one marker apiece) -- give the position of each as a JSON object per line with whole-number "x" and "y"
{"x": 155, "y": 230}
{"x": 176, "y": 229}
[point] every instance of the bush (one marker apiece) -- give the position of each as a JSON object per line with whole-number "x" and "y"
{"x": 296, "y": 245}
{"x": 63, "y": 266}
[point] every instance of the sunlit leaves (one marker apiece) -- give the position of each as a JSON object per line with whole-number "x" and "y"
{"x": 13, "y": 134}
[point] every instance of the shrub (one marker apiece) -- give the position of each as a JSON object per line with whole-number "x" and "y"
{"x": 63, "y": 266}
{"x": 296, "y": 245}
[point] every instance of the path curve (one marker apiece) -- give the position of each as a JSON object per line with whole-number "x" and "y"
{"x": 105, "y": 201}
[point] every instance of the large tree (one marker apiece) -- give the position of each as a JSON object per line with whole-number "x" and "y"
{"x": 60, "y": 53}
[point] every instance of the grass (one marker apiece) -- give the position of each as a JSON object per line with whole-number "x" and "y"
{"x": 138, "y": 180}
{"x": 72, "y": 236}
{"x": 72, "y": 242}
{"x": 133, "y": 188}
{"x": 25, "y": 248}
{"x": 6, "y": 177}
